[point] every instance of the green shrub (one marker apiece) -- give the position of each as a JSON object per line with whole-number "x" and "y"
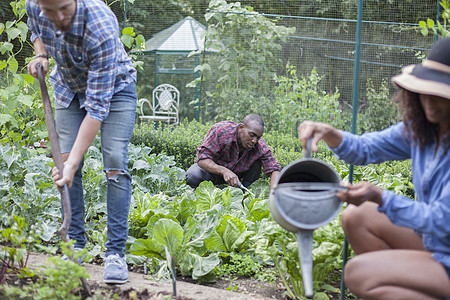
{"x": 180, "y": 142}
{"x": 279, "y": 140}
{"x": 380, "y": 111}
{"x": 300, "y": 98}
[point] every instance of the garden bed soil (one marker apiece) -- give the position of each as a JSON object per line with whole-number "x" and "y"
{"x": 142, "y": 287}
{"x": 139, "y": 286}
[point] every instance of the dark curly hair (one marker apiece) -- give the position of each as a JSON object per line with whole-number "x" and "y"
{"x": 417, "y": 126}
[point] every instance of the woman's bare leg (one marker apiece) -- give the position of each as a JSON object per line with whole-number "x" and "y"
{"x": 391, "y": 261}
{"x": 397, "y": 274}
{"x": 369, "y": 230}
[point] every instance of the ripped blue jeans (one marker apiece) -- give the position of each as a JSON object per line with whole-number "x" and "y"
{"x": 115, "y": 132}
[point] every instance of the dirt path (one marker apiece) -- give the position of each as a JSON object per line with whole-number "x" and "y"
{"x": 138, "y": 282}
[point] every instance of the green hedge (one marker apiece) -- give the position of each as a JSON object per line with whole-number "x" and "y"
{"x": 181, "y": 142}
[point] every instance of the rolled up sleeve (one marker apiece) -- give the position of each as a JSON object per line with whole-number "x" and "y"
{"x": 268, "y": 161}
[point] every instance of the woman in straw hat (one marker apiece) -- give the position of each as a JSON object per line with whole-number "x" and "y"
{"x": 402, "y": 246}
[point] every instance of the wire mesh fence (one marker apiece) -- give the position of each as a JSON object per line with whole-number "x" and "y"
{"x": 324, "y": 40}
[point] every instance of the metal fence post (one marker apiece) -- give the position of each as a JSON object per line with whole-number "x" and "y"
{"x": 354, "y": 118}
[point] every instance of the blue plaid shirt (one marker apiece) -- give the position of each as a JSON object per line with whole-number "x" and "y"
{"x": 91, "y": 61}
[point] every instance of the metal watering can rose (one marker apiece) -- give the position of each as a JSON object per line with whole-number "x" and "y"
{"x": 303, "y": 199}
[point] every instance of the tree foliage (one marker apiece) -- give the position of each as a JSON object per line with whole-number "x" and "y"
{"x": 246, "y": 46}
{"x": 21, "y": 114}
{"x": 437, "y": 28}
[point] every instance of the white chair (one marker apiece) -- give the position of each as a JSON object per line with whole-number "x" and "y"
{"x": 164, "y": 106}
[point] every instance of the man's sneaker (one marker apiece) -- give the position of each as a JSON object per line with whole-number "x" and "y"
{"x": 116, "y": 269}
{"x": 75, "y": 251}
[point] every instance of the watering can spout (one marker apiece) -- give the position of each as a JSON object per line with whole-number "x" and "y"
{"x": 305, "y": 245}
{"x": 303, "y": 199}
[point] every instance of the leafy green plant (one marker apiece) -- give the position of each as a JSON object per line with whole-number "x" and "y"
{"x": 13, "y": 29}
{"x": 298, "y": 99}
{"x": 380, "y": 111}
{"x": 328, "y": 251}
{"x": 436, "y": 27}
{"x": 282, "y": 248}
{"x": 150, "y": 173}
{"x": 327, "y": 256}
{"x": 168, "y": 233}
{"x": 377, "y": 175}
{"x": 247, "y": 46}
{"x": 133, "y": 42}
{"x": 196, "y": 227}
{"x": 236, "y": 264}
{"x": 58, "y": 279}
{"x": 16, "y": 243}
{"x": 163, "y": 230}
{"x": 153, "y": 172}
{"x": 129, "y": 38}
{"x": 21, "y": 113}
{"x": 27, "y": 190}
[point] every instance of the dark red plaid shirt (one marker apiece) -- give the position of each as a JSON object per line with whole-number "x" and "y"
{"x": 221, "y": 146}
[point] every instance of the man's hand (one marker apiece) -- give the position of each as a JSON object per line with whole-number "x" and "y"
{"x": 210, "y": 166}
{"x": 86, "y": 135}
{"x": 32, "y": 69}
{"x": 230, "y": 177}
{"x": 68, "y": 174}
{"x": 41, "y": 56}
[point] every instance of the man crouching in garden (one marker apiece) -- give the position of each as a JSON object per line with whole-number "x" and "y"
{"x": 94, "y": 85}
{"x": 232, "y": 152}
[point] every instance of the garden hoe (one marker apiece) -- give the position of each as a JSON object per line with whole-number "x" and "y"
{"x": 57, "y": 158}
{"x": 242, "y": 187}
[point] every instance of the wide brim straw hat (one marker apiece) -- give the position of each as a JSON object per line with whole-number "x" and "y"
{"x": 432, "y": 76}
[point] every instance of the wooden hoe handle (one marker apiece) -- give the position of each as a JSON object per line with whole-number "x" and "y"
{"x": 57, "y": 159}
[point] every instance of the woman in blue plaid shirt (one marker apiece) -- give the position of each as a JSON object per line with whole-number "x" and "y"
{"x": 94, "y": 85}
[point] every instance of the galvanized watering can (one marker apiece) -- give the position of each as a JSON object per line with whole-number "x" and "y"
{"x": 303, "y": 199}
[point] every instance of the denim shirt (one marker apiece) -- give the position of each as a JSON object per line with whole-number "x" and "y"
{"x": 429, "y": 216}
{"x": 91, "y": 61}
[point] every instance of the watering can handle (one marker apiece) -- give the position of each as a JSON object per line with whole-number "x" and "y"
{"x": 307, "y": 150}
